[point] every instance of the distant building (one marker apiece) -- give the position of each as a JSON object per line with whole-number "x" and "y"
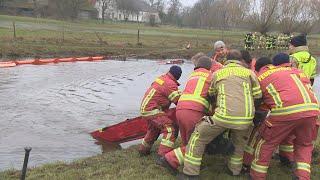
{"x": 142, "y": 13}
{"x": 44, "y": 8}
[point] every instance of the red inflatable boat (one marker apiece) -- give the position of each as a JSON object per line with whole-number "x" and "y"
{"x": 128, "y": 130}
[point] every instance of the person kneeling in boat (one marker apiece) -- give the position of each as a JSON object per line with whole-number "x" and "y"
{"x": 155, "y": 108}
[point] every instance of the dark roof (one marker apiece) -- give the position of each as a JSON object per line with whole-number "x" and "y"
{"x": 25, "y": 4}
{"x": 16, "y": 4}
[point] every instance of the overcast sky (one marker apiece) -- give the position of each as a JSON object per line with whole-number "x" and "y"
{"x": 188, "y": 2}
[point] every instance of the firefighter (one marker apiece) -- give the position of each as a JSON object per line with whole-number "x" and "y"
{"x": 280, "y": 41}
{"x": 215, "y": 65}
{"x": 263, "y": 41}
{"x": 233, "y": 80}
{"x": 301, "y": 58}
{"x": 294, "y": 109}
{"x": 155, "y": 108}
{"x": 196, "y": 58}
{"x": 248, "y": 43}
{"x": 268, "y": 42}
{"x": 192, "y": 106}
{"x": 254, "y": 41}
{"x": 274, "y": 42}
{"x": 286, "y": 147}
{"x": 246, "y": 57}
{"x": 219, "y": 52}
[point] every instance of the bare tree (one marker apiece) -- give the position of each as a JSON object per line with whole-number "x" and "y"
{"x": 104, "y": 4}
{"x": 237, "y": 11}
{"x": 173, "y": 11}
{"x": 151, "y": 2}
{"x": 205, "y": 8}
{"x": 315, "y": 5}
{"x": 159, "y": 6}
{"x": 67, "y": 9}
{"x": 307, "y": 18}
{"x": 263, "y": 14}
{"x": 289, "y": 11}
{"x": 2, "y": 2}
{"x": 127, "y": 7}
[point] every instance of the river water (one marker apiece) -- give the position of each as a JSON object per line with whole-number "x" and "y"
{"x": 53, "y": 108}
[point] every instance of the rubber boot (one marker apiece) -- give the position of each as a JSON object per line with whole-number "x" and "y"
{"x": 246, "y": 169}
{"x": 161, "y": 161}
{"x": 294, "y": 177}
{"x": 286, "y": 162}
{"x": 143, "y": 151}
{"x": 183, "y": 176}
{"x": 229, "y": 172}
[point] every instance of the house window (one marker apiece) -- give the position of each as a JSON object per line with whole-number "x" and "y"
{"x": 112, "y": 15}
{"x": 120, "y": 17}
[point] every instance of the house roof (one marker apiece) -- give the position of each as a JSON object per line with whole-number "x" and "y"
{"x": 86, "y": 5}
{"x": 16, "y": 4}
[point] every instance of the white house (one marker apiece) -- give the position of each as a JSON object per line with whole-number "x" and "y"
{"x": 143, "y": 14}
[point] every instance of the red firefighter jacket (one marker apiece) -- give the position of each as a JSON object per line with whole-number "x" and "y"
{"x": 163, "y": 92}
{"x": 287, "y": 92}
{"x": 215, "y": 66}
{"x": 196, "y": 91}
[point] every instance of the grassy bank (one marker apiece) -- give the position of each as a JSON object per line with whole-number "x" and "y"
{"x": 36, "y": 37}
{"x": 126, "y": 164}
{"x": 46, "y": 38}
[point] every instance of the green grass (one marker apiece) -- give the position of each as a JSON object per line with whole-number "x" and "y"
{"x": 126, "y": 164}
{"x": 38, "y": 37}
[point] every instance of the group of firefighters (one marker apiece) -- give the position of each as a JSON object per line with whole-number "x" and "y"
{"x": 264, "y": 105}
{"x": 253, "y": 41}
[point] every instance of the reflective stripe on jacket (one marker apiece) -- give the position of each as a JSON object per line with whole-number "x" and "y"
{"x": 235, "y": 88}
{"x": 287, "y": 92}
{"x": 306, "y": 62}
{"x": 163, "y": 92}
{"x": 196, "y": 91}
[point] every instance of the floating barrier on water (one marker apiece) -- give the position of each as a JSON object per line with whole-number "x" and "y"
{"x": 23, "y": 62}
{"x": 49, "y": 60}
{"x": 98, "y": 58}
{"x": 7, "y": 64}
{"x": 84, "y": 59}
{"x": 44, "y": 61}
{"x": 67, "y": 60}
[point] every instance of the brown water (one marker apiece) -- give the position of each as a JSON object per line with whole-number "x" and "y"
{"x": 52, "y": 108}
